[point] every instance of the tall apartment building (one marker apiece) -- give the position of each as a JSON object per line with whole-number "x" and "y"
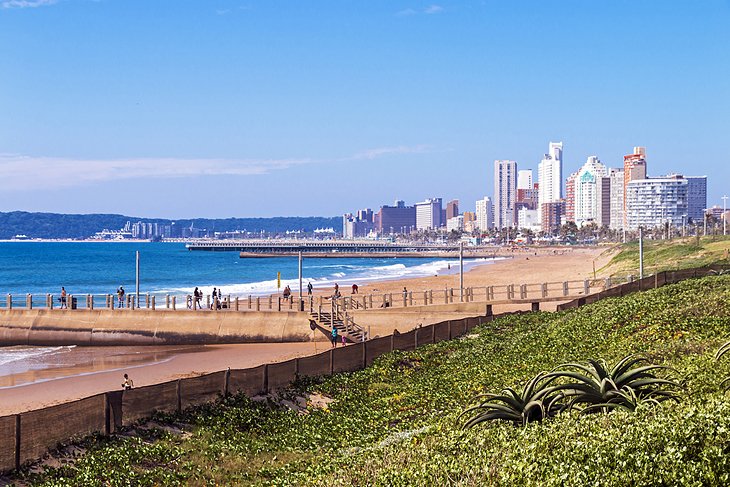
{"x": 550, "y": 175}
{"x": 552, "y": 215}
{"x": 452, "y": 209}
{"x": 428, "y": 214}
{"x": 524, "y": 179}
{"x": 634, "y": 168}
{"x": 505, "y": 193}
{"x": 611, "y": 199}
{"x": 656, "y": 201}
{"x": 395, "y": 219}
{"x": 570, "y": 197}
{"x": 587, "y": 191}
{"x": 455, "y": 224}
{"x": 696, "y": 197}
{"x": 354, "y": 226}
{"x": 484, "y": 214}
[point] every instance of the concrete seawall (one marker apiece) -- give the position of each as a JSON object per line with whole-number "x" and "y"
{"x": 146, "y": 327}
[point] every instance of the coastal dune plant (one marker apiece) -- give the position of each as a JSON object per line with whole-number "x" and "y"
{"x": 537, "y": 400}
{"x": 627, "y": 385}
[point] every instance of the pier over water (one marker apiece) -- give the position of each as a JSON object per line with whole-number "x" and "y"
{"x": 340, "y": 249}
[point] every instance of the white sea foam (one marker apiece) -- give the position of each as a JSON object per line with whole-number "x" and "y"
{"x": 23, "y": 353}
{"x": 355, "y": 274}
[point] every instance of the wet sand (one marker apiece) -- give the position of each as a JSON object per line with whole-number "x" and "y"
{"x": 90, "y": 379}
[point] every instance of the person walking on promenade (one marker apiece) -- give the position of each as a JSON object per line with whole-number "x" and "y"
{"x": 354, "y": 289}
{"x": 128, "y": 383}
{"x": 309, "y": 288}
{"x": 337, "y": 289}
{"x": 197, "y": 295}
{"x": 333, "y": 338}
{"x": 120, "y": 296}
{"x": 213, "y": 304}
{"x": 287, "y": 292}
{"x": 344, "y": 340}
{"x": 63, "y": 298}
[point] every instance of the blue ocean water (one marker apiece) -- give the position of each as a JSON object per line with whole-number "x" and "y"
{"x": 101, "y": 267}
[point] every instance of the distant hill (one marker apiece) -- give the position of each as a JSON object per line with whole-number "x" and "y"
{"x": 55, "y": 225}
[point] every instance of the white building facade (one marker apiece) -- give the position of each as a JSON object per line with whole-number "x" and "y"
{"x": 588, "y": 192}
{"x": 550, "y": 175}
{"x": 653, "y": 202}
{"x": 456, "y": 223}
{"x": 484, "y": 214}
{"x": 428, "y": 214}
{"x": 505, "y": 193}
{"x": 524, "y": 179}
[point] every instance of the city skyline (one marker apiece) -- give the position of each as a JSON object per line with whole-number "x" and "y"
{"x": 208, "y": 109}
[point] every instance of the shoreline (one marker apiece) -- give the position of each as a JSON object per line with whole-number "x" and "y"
{"x": 85, "y": 381}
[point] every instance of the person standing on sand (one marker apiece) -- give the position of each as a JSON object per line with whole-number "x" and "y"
{"x": 354, "y": 289}
{"x": 309, "y": 288}
{"x": 63, "y": 298}
{"x": 333, "y": 338}
{"x": 128, "y": 383}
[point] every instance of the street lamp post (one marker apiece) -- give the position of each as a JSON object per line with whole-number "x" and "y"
{"x": 724, "y": 215}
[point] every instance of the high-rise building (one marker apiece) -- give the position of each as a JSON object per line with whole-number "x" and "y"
{"x": 396, "y": 219}
{"x": 550, "y": 175}
{"x": 428, "y": 214}
{"x": 528, "y": 220}
{"x": 524, "y": 179}
{"x": 452, "y": 209}
{"x": 587, "y": 192}
{"x": 656, "y": 201}
{"x": 570, "y": 197}
{"x": 634, "y": 168}
{"x": 484, "y": 214}
{"x": 616, "y": 219}
{"x": 527, "y": 197}
{"x": 365, "y": 215}
{"x": 552, "y": 216}
{"x": 696, "y": 197}
{"x": 505, "y": 193}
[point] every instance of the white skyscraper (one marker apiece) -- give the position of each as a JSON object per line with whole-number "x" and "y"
{"x": 550, "y": 175}
{"x": 484, "y": 214}
{"x": 505, "y": 193}
{"x": 428, "y": 214}
{"x": 588, "y": 192}
{"x": 524, "y": 179}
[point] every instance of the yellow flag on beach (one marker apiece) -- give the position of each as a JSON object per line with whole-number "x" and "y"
{"x": 278, "y": 280}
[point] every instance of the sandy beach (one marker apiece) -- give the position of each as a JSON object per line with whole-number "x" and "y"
{"x": 64, "y": 384}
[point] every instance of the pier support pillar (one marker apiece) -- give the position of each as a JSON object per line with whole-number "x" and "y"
{"x": 91, "y": 302}
{"x": 9, "y": 302}
{"x": 258, "y": 303}
{"x": 152, "y": 304}
{"x": 167, "y": 301}
{"x": 236, "y": 303}
{"x": 173, "y": 303}
{"x": 29, "y": 301}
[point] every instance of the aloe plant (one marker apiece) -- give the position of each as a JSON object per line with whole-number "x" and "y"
{"x": 536, "y": 401}
{"x": 602, "y": 388}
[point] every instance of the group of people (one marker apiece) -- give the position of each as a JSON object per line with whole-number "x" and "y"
{"x": 194, "y": 301}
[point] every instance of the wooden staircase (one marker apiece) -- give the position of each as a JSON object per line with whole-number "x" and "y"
{"x": 326, "y": 318}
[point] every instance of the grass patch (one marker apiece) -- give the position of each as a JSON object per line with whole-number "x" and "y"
{"x": 663, "y": 255}
{"x": 396, "y": 423}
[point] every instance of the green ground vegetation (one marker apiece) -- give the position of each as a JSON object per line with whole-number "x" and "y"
{"x": 400, "y": 422}
{"x": 662, "y": 255}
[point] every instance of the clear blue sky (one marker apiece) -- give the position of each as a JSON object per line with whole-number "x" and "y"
{"x": 216, "y": 108}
